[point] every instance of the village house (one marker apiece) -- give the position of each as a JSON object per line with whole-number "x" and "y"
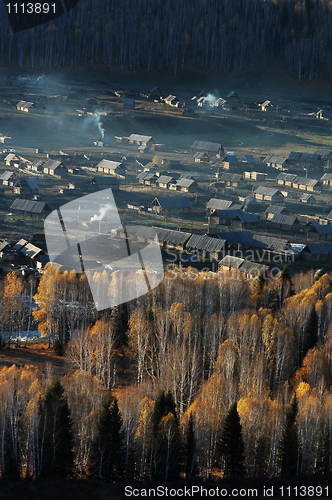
{"x": 284, "y": 222}
{"x": 186, "y": 185}
{"x": 232, "y": 180}
{"x": 254, "y": 269}
{"x": 325, "y": 154}
{"x": 225, "y": 217}
{"x": 55, "y": 168}
{"x": 284, "y": 179}
{"x": 263, "y": 193}
{"x": 278, "y": 162}
{"x": 206, "y": 246}
{"x": 244, "y": 220}
{"x": 100, "y": 182}
{"x": 255, "y": 176}
{"x": 326, "y": 180}
{"x": 30, "y": 208}
{"x": 233, "y": 98}
{"x": 272, "y": 210}
{"x": 236, "y": 239}
{"x": 229, "y": 161}
{"x": 171, "y": 204}
{"x": 215, "y": 204}
{"x": 267, "y": 106}
{"x": 7, "y": 252}
{"x": 148, "y": 178}
{"x": 129, "y": 103}
{"x": 141, "y": 140}
{"x": 8, "y": 178}
{"x": 173, "y": 101}
{"x": 165, "y": 181}
{"x": 272, "y": 249}
{"x": 306, "y": 184}
{"x": 37, "y": 166}
{"x": 201, "y": 157}
{"x": 208, "y": 147}
{"x": 308, "y": 198}
{"x": 24, "y": 106}
{"x": 11, "y": 160}
{"x": 317, "y": 251}
{"x": 25, "y": 187}
{"x": 303, "y": 159}
{"x": 319, "y": 231}
{"x": 230, "y": 263}
{"x": 111, "y": 167}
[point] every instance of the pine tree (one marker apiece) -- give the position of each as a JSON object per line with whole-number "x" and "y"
{"x": 56, "y": 437}
{"x": 190, "y": 449}
{"x": 230, "y": 449}
{"x": 320, "y": 273}
{"x": 108, "y": 448}
{"x": 289, "y": 443}
{"x": 311, "y": 332}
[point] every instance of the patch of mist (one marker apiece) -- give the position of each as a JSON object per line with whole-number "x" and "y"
{"x": 94, "y": 120}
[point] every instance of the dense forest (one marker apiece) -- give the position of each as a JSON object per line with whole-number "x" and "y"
{"x": 224, "y": 376}
{"x": 218, "y": 36}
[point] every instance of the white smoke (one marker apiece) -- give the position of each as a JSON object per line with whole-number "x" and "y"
{"x": 210, "y": 98}
{"x": 94, "y": 119}
{"x": 102, "y": 212}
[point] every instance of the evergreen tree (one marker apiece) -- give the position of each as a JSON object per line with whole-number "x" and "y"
{"x": 311, "y": 332}
{"x": 320, "y": 273}
{"x": 166, "y": 438}
{"x": 56, "y": 437}
{"x": 190, "y": 449}
{"x": 289, "y": 443}
{"x": 108, "y": 448}
{"x": 230, "y": 449}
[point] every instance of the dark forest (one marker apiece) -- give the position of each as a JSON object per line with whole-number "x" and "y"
{"x": 213, "y": 35}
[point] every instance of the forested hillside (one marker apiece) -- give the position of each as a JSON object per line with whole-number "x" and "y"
{"x": 218, "y": 36}
{"x": 196, "y": 349}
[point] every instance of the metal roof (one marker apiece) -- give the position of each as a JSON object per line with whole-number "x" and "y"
{"x": 249, "y": 159}
{"x": 216, "y": 204}
{"x": 183, "y": 182}
{"x": 20, "y": 244}
{"x": 323, "y": 152}
{"x": 275, "y": 159}
{"x": 293, "y": 155}
{"x": 271, "y": 243}
{"x": 7, "y": 175}
{"x": 3, "y": 245}
{"x": 319, "y": 248}
{"x": 321, "y": 228}
{"x": 227, "y": 176}
{"x": 10, "y": 157}
{"x": 207, "y": 146}
{"x": 231, "y": 159}
{"x": 172, "y": 237}
{"x": 24, "y": 104}
{"x": 30, "y": 250}
{"x": 275, "y": 209}
{"x": 267, "y": 191}
{"x": 305, "y": 181}
{"x": 326, "y": 177}
{"x": 231, "y": 261}
{"x": 247, "y": 217}
{"x": 140, "y": 138}
{"x": 228, "y": 214}
{"x": 30, "y": 206}
{"x": 306, "y": 196}
{"x": 236, "y": 237}
{"x": 172, "y": 202}
{"x": 165, "y": 179}
{"x": 146, "y": 176}
{"x": 109, "y": 164}
{"x": 52, "y": 164}
{"x": 288, "y": 220}
{"x": 198, "y": 242}
{"x": 286, "y": 177}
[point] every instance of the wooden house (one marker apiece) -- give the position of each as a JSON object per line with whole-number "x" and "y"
{"x": 215, "y": 204}
{"x": 244, "y": 220}
{"x": 319, "y": 231}
{"x": 201, "y": 157}
{"x": 111, "y": 167}
{"x": 232, "y": 180}
{"x": 255, "y": 176}
{"x": 8, "y": 178}
{"x": 24, "y": 106}
{"x": 171, "y": 204}
{"x": 206, "y": 246}
{"x": 208, "y": 147}
{"x": 141, "y": 140}
{"x": 326, "y": 180}
{"x": 164, "y": 181}
{"x": 30, "y": 208}
{"x": 272, "y": 210}
{"x": 278, "y": 162}
{"x": 263, "y": 193}
{"x": 25, "y": 187}
{"x": 148, "y": 178}
{"x": 284, "y": 222}
{"x": 308, "y": 198}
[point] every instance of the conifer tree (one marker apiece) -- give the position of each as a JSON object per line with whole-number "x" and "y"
{"x": 230, "y": 449}
{"x": 108, "y": 448}
{"x": 190, "y": 449}
{"x": 311, "y": 332}
{"x": 56, "y": 438}
{"x": 320, "y": 273}
{"x": 289, "y": 443}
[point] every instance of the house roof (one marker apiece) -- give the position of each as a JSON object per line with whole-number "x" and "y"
{"x": 231, "y": 261}
{"x": 293, "y": 155}
{"x": 231, "y": 159}
{"x": 52, "y": 164}
{"x": 172, "y": 202}
{"x": 3, "y": 245}
{"x": 183, "y": 182}
{"x": 326, "y": 177}
{"x": 275, "y": 209}
{"x": 165, "y": 179}
{"x": 146, "y": 175}
{"x": 10, "y": 157}
{"x": 267, "y": 191}
{"x": 288, "y": 220}
{"x": 20, "y": 244}
{"x": 246, "y": 217}
{"x": 228, "y": 214}
{"x": 201, "y": 154}
{"x": 31, "y": 183}
{"x": 307, "y": 196}
{"x": 318, "y": 248}
{"x": 140, "y": 138}
{"x": 266, "y": 103}
{"x": 249, "y": 159}
{"x": 109, "y": 164}
{"x": 129, "y": 101}
{"x": 321, "y": 228}
{"x": 283, "y": 176}
{"x": 7, "y": 175}
{"x": 271, "y": 243}
{"x": 323, "y": 152}
{"x": 275, "y": 159}
{"x": 216, "y": 204}
{"x": 30, "y": 250}
{"x": 207, "y": 146}
{"x": 227, "y": 176}
{"x": 236, "y": 237}
{"x": 24, "y": 104}
{"x": 250, "y": 267}
{"x": 199, "y": 242}
{"x": 231, "y": 94}
{"x": 30, "y": 206}
{"x": 305, "y": 181}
